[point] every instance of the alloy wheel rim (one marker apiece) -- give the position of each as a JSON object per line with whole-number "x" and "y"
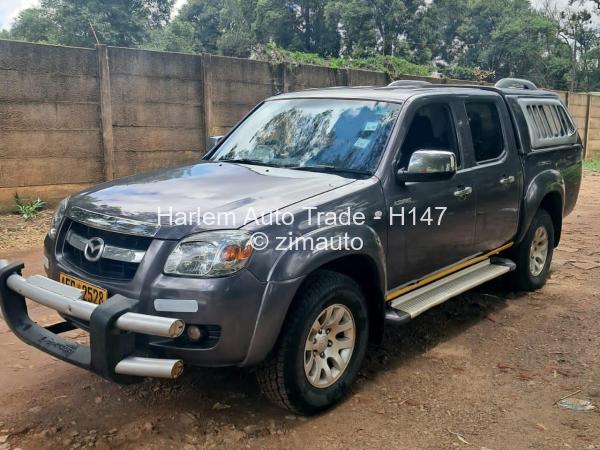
{"x": 329, "y": 346}
{"x": 538, "y": 252}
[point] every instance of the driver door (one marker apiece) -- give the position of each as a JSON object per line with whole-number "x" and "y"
{"x": 431, "y": 224}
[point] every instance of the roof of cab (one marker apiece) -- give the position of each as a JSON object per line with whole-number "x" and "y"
{"x": 403, "y": 92}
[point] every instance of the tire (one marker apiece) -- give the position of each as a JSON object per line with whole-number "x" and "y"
{"x": 529, "y": 276}
{"x": 284, "y": 376}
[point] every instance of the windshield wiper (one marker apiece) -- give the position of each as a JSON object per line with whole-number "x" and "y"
{"x": 256, "y": 162}
{"x": 316, "y": 168}
{"x": 331, "y": 169}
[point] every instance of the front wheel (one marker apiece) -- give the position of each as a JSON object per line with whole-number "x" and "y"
{"x": 534, "y": 253}
{"x": 322, "y": 345}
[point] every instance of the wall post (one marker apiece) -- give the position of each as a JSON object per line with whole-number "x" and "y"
{"x": 285, "y": 78}
{"x": 207, "y": 97}
{"x": 588, "y": 123}
{"x": 106, "y": 112}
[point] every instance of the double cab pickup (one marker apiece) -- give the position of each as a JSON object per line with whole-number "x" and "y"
{"x": 320, "y": 218}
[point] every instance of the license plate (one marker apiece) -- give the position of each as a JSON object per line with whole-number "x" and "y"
{"x": 91, "y": 293}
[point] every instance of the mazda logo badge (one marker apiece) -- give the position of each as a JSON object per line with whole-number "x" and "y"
{"x": 93, "y": 249}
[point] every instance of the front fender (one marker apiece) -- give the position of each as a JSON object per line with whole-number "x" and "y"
{"x": 305, "y": 256}
{"x": 291, "y": 268}
{"x": 542, "y": 184}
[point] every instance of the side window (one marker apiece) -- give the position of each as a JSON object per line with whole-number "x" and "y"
{"x": 432, "y": 128}
{"x": 548, "y": 122}
{"x": 486, "y": 130}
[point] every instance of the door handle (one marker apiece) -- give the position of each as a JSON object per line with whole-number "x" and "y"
{"x": 464, "y": 192}
{"x": 507, "y": 180}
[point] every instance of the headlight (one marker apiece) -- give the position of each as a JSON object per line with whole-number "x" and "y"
{"x": 57, "y": 218}
{"x": 210, "y": 254}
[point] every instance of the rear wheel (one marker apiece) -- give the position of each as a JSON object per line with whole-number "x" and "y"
{"x": 321, "y": 347}
{"x": 534, "y": 255}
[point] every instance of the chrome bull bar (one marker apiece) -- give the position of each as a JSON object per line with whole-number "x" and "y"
{"x": 137, "y": 323}
{"x": 111, "y": 353}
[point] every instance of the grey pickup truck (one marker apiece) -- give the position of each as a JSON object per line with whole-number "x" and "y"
{"x": 319, "y": 219}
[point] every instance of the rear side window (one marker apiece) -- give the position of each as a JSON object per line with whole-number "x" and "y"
{"x": 549, "y": 123}
{"x": 486, "y": 130}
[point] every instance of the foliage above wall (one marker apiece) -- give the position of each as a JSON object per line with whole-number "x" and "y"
{"x": 394, "y": 66}
{"x": 479, "y": 39}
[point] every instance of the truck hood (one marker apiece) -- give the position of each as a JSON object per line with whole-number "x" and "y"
{"x": 187, "y": 196}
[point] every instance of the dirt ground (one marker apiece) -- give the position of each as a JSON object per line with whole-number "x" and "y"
{"x": 16, "y": 233}
{"x": 484, "y": 371}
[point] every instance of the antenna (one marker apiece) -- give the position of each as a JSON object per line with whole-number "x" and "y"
{"x": 94, "y": 32}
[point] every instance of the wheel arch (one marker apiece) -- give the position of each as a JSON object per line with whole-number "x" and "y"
{"x": 545, "y": 191}
{"x": 291, "y": 271}
{"x": 366, "y": 266}
{"x": 552, "y": 203}
{"x": 363, "y": 270}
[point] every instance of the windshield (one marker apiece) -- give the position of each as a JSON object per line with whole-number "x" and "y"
{"x": 328, "y": 134}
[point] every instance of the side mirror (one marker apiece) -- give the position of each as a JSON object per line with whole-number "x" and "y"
{"x": 428, "y": 165}
{"x": 213, "y": 140}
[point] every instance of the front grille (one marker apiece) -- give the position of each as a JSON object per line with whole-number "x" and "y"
{"x": 104, "y": 267}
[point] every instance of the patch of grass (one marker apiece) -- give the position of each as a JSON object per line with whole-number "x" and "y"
{"x": 29, "y": 210}
{"x": 592, "y": 164}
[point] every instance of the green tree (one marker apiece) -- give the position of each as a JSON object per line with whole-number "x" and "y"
{"x": 503, "y": 38}
{"x": 358, "y": 23}
{"x": 34, "y": 25}
{"x": 177, "y": 36}
{"x": 237, "y": 37}
{"x": 594, "y": 68}
{"x": 126, "y": 23}
{"x": 205, "y": 17}
{"x": 575, "y": 30}
{"x": 390, "y": 18}
{"x": 441, "y": 27}
{"x": 317, "y": 31}
{"x": 275, "y": 21}
{"x": 512, "y": 44}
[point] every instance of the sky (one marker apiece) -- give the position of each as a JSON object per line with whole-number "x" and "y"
{"x": 10, "y": 8}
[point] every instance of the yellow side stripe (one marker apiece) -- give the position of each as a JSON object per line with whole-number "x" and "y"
{"x": 436, "y": 276}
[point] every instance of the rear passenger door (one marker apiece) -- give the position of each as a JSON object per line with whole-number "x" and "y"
{"x": 496, "y": 166}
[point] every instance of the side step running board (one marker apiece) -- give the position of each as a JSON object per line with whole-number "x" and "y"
{"x": 410, "y": 305}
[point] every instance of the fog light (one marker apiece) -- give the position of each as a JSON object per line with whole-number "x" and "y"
{"x": 194, "y": 333}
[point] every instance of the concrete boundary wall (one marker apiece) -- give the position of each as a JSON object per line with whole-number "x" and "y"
{"x": 73, "y": 117}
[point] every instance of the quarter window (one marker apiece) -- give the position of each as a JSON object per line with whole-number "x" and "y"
{"x": 548, "y": 122}
{"x": 486, "y": 130}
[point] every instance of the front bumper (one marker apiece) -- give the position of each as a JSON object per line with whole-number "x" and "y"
{"x": 245, "y": 312}
{"x": 114, "y": 327}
